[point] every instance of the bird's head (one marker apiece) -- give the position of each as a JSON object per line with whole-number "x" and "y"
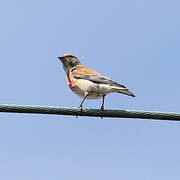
{"x": 69, "y": 61}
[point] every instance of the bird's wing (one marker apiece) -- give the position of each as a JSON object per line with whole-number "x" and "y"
{"x": 82, "y": 72}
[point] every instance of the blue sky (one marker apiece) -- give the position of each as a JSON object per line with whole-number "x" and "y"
{"x": 135, "y": 42}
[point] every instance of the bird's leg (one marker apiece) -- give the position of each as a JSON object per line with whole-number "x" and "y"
{"x": 102, "y": 106}
{"x": 80, "y": 106}
{"x": 85, "y": 96}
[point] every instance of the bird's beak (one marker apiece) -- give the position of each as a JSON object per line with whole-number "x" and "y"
{"x": 61, "y": 58}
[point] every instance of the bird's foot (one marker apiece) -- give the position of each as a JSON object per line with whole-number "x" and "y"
{"x": 80, "y": 107}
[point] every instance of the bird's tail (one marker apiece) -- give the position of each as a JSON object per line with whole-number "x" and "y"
{"x": 124, "y": 91}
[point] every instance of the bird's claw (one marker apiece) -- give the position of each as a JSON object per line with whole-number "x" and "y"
{"x": 80, "y": 108}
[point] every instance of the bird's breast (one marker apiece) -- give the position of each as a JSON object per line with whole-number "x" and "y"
{"x": 71, "y": 81}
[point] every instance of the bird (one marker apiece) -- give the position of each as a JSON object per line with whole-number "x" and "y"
{"x": 87, "y": 83}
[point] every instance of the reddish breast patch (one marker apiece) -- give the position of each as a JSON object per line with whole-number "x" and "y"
{"x": 70, "y": 82}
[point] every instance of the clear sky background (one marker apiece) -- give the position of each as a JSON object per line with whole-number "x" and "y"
{"x": 134, "y": 42}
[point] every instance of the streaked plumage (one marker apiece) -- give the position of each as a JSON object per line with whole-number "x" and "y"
{"x": 87, "y": 83}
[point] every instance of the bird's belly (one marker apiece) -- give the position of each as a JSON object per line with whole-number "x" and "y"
{"x": 95, "y": 91}
{"x": 91, "y": 94}
{"x": 94, "y": 95}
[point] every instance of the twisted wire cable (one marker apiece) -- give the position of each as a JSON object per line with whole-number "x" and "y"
{"x": 89, "y": 112}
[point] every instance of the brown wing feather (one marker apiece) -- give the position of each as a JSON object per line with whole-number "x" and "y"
{"x": 85, "y": 71}
{"x": 82, "y": 72}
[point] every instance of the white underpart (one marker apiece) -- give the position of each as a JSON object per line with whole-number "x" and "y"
{"x": 94, "y": 90}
